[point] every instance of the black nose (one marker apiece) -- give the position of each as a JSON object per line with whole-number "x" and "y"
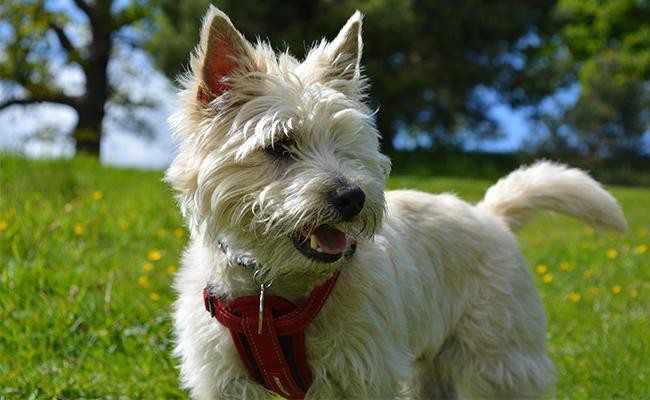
{"x": 348, "y": 201}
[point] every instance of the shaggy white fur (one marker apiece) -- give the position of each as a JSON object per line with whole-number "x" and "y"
{"x": 436, "y": 302}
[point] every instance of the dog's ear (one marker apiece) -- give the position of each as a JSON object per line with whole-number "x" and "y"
{"x": 225, "y": 51}
{"x": 345, "y": 51}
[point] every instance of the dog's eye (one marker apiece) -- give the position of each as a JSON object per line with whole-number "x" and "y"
{"x": 280, "y": 149}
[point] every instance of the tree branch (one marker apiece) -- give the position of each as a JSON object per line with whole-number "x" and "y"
{"x": 63, "y": 38}
{"x": 128, "y": 16}
{"x": 55, "y": 98}
{"x": 83, "y": 6}
{"x": 65, "y": 42}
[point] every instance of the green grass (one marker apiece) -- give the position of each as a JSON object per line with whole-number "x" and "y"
{"x": 87, "y": 255}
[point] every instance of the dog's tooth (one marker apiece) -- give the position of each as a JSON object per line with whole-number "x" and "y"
{"x": 314, "y": 243}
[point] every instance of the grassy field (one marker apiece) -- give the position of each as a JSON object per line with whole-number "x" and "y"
{"x": 87, "y": 255}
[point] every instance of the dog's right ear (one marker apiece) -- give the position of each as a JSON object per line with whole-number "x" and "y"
{"x": 225, "y": 52}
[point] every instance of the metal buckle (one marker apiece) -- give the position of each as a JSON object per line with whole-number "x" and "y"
{"x": 211, "y": 305}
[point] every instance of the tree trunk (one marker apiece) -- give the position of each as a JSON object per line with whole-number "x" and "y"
{"x": 88, "y": 132}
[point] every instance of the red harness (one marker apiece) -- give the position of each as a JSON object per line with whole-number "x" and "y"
{"x": 272, "y": 346}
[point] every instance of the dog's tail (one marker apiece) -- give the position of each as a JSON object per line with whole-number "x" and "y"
{"x": 549, "y": 186}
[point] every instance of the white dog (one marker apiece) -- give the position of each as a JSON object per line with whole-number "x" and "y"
{"x": 280, "y": 180}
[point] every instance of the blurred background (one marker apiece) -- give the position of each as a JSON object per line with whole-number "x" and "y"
{"x": 466, "y": 90}
{"x": 566, "y": 79}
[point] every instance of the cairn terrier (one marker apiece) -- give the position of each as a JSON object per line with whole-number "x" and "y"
{"x": 280, "y": 180}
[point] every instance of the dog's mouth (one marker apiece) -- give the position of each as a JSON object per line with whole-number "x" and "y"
{"x": 325, "y": 243}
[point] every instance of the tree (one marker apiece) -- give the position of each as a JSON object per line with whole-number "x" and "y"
{"x": 426, "y": 60}
{"x": 604, "y": 45}
{"x": 29, "y": 56}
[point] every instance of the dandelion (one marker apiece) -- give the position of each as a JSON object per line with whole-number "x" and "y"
{"x": 148, "y": 266}
{"x": 79, "y": 229}
{"x": 548, "y": 278}
{"x": 178, "y": 232}
{"x": 154, "y": 255}
{"x": 634, "y": 293}
{"x": 565, "y": 266}
{"x": 612, "y": 254}
{"x": 161, "y": 232}
{"x": 3, "y": 225}
{"x": 588, "y": 273}
{"x": 574, "y": 297}
{"x": 154, "y": 296}
{"x": 616, "y": 289}
{"x": 143, "y": 281}
{"x": 641, "y": 232}
{"x": 97, "y": 195}
{"x": 171, "y": 269}
{"x": 541, "y": 269}
{"x": 124, "y": 224}
{"x": 640, "y": 249}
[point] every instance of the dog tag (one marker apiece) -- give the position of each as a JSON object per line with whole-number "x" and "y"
{"x": 260, "y": 318}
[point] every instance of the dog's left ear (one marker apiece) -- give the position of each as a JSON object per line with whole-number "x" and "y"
{"x": 345, "y": 51}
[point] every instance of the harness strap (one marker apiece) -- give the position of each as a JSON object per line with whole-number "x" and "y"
{"x": 276, "y": 358}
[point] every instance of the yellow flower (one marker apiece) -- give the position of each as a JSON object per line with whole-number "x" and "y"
{"x": 634, "y": 293}
{"x": 3, "y": 225}
{"x": 612, "y": 254}
{"x": 588, "y": 273}
{"x": 143, "y": 281}
{"x": 541, "y": 269}
{"x": 148, "y": 266}
{"x": 78, "y": 230}
{"x": 154, "y": 296}
{"x": 641, "y": 232}
{"x": 97, "y": 195}
{"x": 178, "y": 232}
{"x": 574, "y": 297}
{"x": 616, "y": 289}
{"x": 548, "y": 278}
{"x": 154, "y": 255}
{"x": 565, "y": 266}
{"x": 640, "y": 249}
{"x": 171, "y": 269}
{"x": 124, "y": 224}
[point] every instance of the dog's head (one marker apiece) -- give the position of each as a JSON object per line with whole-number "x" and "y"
{"x": 279, "y": 158}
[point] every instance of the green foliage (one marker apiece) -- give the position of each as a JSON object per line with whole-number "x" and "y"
{"x": 611, "y": 113}
{"x": 25, "y": 54}
{"x": 606, "y": 45}
{"x": 87, "y": 255}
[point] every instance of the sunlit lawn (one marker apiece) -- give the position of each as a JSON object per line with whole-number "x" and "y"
{"x": 87, "y": 254}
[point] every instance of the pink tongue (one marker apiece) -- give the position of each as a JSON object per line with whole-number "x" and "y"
{"x": 330, "y": 240}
